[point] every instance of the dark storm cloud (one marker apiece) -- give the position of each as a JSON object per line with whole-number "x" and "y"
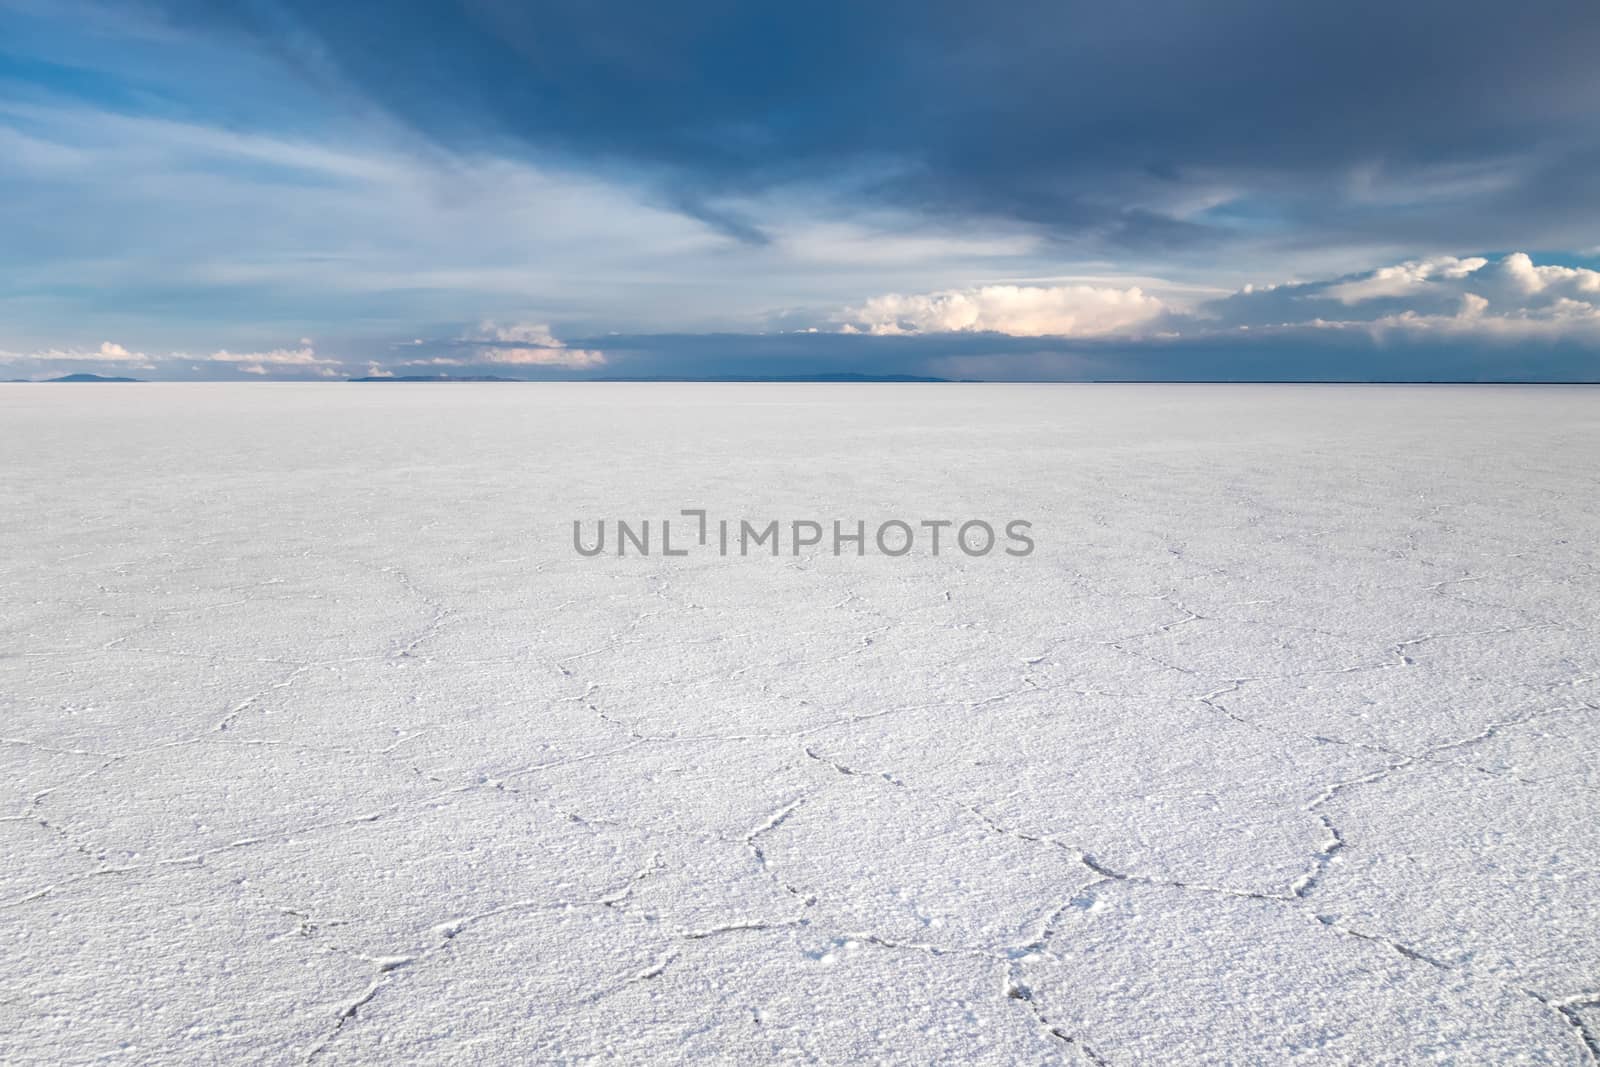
{"x": 1166, "y": 124}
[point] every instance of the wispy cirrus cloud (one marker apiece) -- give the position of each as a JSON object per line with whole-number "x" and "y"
{"x": 302, "y": 358}
{"x": 513, "y": 344}
{"x": 1182, "y": 127}
{"x": 105, "y": 352}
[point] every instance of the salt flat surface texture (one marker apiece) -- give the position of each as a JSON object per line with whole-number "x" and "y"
{"x": 320, "y": 742}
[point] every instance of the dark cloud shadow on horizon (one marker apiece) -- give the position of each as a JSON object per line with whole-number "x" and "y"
{"x": 1288, "y": 355}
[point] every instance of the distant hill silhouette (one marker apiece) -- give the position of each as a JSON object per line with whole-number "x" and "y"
{"x": 727, "y": 378}
{"x": 90, "y": 378}
{"x": 436, "y": 378}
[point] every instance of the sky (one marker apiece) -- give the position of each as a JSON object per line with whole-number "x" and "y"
{"x": 1021, "y": 190}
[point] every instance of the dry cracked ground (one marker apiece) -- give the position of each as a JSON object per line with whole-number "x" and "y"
{"x": 321, "y": 744}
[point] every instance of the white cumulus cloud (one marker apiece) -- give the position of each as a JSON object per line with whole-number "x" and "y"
{"x": 1403, "y": 278}
{"x": 528, "y": 344}
{"x": 1474, "y": 297}
{"x": 1021, "y": 311}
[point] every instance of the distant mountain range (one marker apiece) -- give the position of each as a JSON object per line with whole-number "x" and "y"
{"x": 436, "y": 378}
{"x": 83, "y": 378}
{"x": 730, "y": 378}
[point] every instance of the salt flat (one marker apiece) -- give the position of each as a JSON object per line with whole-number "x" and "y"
{"x": 321, "y": 743}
